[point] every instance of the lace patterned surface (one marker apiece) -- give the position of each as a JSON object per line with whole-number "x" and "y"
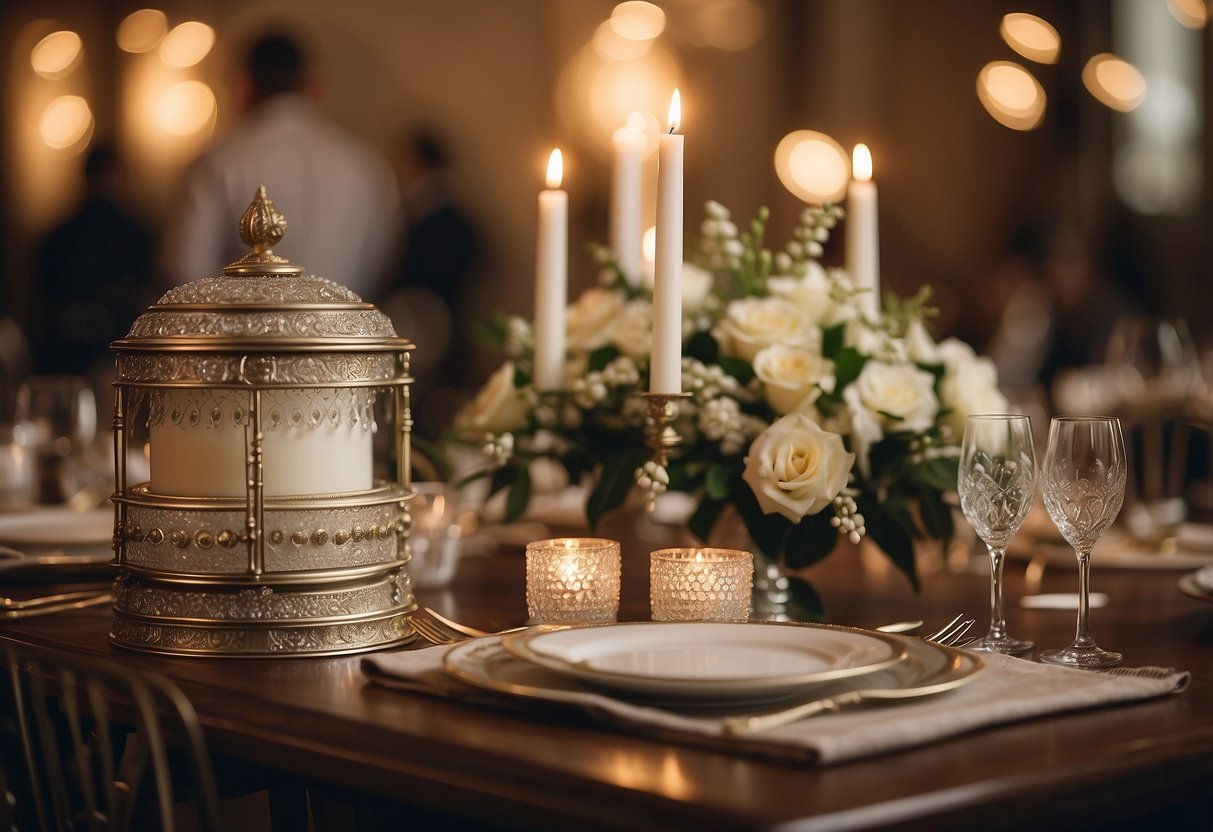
{"x": 1084, "y": 507}
{"x": 303, "y": 410}
{"x": 277, "y": 369}
{"x": 264, "y": 603}
{"x": 213, "y": 542}
{"x": 317, "y": 640}
{"x": 260, "y": 289}
{"x": 268, "y": 324}
{"x": 996, "y": 494}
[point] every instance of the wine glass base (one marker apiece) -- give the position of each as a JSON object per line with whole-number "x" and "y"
{"x": 1005, "y": 645}
{"x": 1082, "y": 657}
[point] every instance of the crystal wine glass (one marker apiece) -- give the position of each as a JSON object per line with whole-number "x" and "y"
{"x": 997, "y": 482}
{"x": 1084, "y": 487}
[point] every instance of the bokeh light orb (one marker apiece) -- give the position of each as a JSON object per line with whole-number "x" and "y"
{"x": 637, "y": 20}
{"x": 185, "y": 108}
{"x": 813, "y": 166}
{"x": 187, "y": 44}
{"x": 57, "y": 54}
{"x": 1012, "y": 95}
{"x": 67, "y": 122}
{"x": 141, "y": 31}
{"x": 1032, "y": 37}
{"x": 1114, "y": 82}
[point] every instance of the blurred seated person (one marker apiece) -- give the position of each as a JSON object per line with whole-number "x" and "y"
{"x": 433, "y": 275}
{"x": 336, "y": 192}
{"x": 93, "y": 274}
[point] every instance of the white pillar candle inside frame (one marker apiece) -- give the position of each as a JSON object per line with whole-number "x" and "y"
{"x": 665, "y": 369}
{"x": 314, "y": 442}
{"x": 626, "y": 197}
{"x": 863, "y": 231}
{"x": 551, "y": 279}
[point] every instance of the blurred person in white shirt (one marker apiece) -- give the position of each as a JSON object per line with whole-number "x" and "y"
{"x": 338, "y": 194}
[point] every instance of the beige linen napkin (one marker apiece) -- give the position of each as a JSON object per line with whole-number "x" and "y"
{"x": 1006, "y": 690}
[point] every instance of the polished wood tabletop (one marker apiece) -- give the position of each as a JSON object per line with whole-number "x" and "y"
{"x": 416, "y": 759}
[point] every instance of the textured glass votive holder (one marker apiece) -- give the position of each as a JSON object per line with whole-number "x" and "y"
{"x": 701, "y": 584}
{"x": 572, "y": 580}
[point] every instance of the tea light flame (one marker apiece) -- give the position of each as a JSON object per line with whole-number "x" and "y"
{"x": 555, "y": 169}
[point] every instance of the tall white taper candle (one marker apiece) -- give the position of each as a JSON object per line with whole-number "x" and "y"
{"x": 551, "y": 279}
{"x": 863, "y": 231}
{"x": 665, "y": 371}
{"x": 626, "y": 196}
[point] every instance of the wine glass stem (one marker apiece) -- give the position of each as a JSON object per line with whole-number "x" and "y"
{"x": 1082, "y": 638}
{"x": 998, "y": 621}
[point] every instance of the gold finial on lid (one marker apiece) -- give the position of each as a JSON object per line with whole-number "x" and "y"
{"x": 262, "y": 226}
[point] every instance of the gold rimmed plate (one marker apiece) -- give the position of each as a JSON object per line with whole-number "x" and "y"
{"x": 707, "y": 661}
{"x": 928, "y": 669}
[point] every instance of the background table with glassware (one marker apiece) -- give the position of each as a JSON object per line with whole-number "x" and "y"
{"x": 378, "y": 756}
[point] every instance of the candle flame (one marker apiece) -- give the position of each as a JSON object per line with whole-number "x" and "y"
{"x": 699, "y": 556}
{"x": 555, "y": 169}
{"x": 675, "y": 111}
{"x": 861, "y": 163}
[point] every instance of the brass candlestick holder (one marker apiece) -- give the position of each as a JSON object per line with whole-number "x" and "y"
{"x": 662, "y": 438}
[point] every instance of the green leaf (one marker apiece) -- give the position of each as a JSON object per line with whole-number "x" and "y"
{"x": 887, "y": 531}
{"x": 811, "y": 540}
{"x": 847, "y": 365}
{"x": 806, "y": 604}
{"x": 938, "y": 473}
{"x": 617, "y": 479}
{"x": 475, "y": 475}
{"x": 718, "y": 483}
{"x": 703, "y": 347}
{"x": 768, "y": 531}
{"x": 432, "y": 453}
{"x": 704, "y": 518}
{"x": 738, "y": 368}
{"x": 503, "y": 477}
{"x": 936, "y": 515}
{"x": 519, "y": 496}
{"x": 601, "y": 357}
{"x": 831, "y": 340}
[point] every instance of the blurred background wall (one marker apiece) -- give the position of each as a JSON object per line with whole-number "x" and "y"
{"x": 506, "y": 80}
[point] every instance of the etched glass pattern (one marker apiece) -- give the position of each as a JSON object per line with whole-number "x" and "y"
{"x": 700, "y": 584}
{"x": 996, "y": 494}
{"x": 572, "y": 580}
{"x": 1083, "y": 504}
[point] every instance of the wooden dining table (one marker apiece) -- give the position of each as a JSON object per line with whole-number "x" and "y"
{"x": 376, "y": 758}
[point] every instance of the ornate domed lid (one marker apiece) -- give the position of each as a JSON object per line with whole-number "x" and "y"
{"x": 261, "y": 304}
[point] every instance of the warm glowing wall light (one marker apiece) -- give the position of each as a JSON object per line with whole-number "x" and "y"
{"x": 1191, "y": 13}
{"x": 610, "y": 44}
{"x": 65, "y": 122}
{"x": 185, "y": 108}
{"x": 142, "y": 31}
{"x": 57, "y": 54}
{"x": 187, "y": 44}
{"x": 1011, "y": 95}
{"x": 1031, "y": 36}
{"x": 812, "y": 166}
{"x": 1114, "y": 82}
{"x": 637, "y": 20}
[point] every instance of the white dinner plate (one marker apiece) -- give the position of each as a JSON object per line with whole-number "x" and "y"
{"x": 707, "y": 660}
{"x": 57, "y": 527}
{"x": 928, "y": 669}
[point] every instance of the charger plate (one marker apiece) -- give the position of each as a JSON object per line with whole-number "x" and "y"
{"x": 712, "y": 661}
{"x": 928, "y": 669}
{"x": 1198, "y": 584}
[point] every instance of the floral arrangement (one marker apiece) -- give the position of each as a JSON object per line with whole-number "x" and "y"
{"x": 807, "y": 416}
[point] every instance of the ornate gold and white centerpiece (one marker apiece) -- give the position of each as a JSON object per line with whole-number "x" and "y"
{"x": 262, "y": 530}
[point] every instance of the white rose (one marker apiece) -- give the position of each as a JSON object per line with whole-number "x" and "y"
{"x": 633, "y": 332}
{"x": 863, "y": 426}
{"x": 749, "y": 324}
{"x": 592, "y": 318}
{"x": 795, "y": 468}
{"x": 790, "y": 375}
{"x": 696, "y": 286}
{"x": 498, "y": 407}
{"x": 813, "y": 295}
{"x": 902, "y": 393}
{"x": 969, "y": 385}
